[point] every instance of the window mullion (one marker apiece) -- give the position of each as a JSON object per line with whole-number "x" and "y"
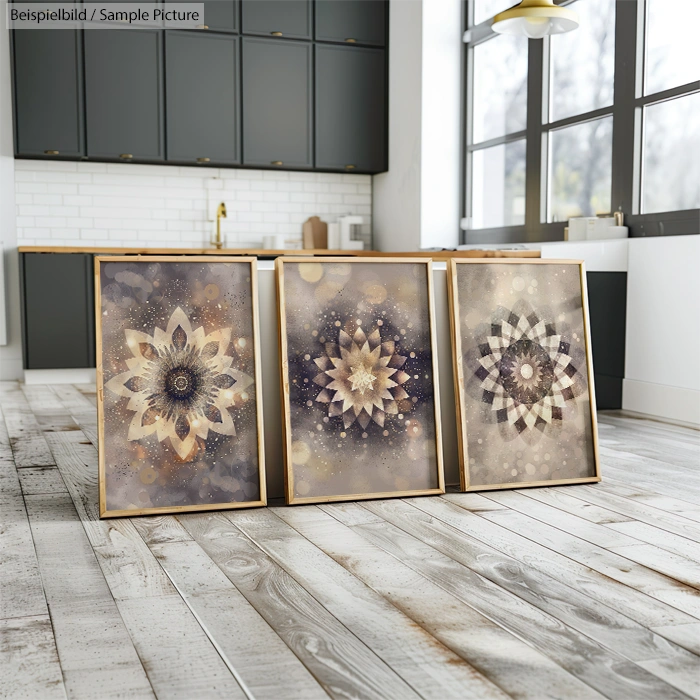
{"x": 626, "y": 138}
{"x": 533, "y": 157}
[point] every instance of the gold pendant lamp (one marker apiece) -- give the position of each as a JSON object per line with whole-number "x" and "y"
{"x": 535, "y": 19}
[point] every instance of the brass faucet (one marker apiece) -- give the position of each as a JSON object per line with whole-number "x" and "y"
{"x": 221, "y": 211}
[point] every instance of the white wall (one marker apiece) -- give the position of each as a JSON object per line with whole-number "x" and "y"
{"x": 126, "y": 204}
{"x": 10, "y": 354}
{"x": 416, "y": 203}
{"x": 662, "y": 353}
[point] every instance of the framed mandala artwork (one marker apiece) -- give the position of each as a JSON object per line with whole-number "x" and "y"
{"x": 359, "y": 379}
{"x": 523, "y": 371}
{"x": 179, "y": 404}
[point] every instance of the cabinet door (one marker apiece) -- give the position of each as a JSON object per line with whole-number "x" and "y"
{"x": 124, "y": 93}
{"x": 352, "y": 21}
{"x": 277, "y": 111}
{"x": 288, "y": 18}
{"x": 48, "y": 92}
{"x": 201, "y": 79}
{"x": 350, "y": 109}
{"x": 59, "y": 310}
{"x": 219, "y": 15}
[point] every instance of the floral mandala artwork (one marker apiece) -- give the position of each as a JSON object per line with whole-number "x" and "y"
{"x": 361, "y": 378}
{"x": 526, "y": 372}
{"x": 180, "y": 383}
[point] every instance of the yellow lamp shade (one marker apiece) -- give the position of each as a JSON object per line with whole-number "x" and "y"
{"x": 535, "y": 19}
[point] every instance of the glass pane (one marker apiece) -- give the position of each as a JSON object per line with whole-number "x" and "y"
{"x": 583, "y": 61}
{"x": 671, "y": 159}
{"x": 580, "y": 167}
{"x": 673, "y": 56}
{"x": 498, "y": 185}
{"x": 500, "y": 87}
{"x": 485, "y": 9}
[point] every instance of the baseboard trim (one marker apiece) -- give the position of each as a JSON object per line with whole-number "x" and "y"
{"x": 60, "y": 376}
{"x": 661, "y": 401}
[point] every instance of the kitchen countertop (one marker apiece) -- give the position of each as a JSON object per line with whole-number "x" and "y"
{"x": 258, "y": 252}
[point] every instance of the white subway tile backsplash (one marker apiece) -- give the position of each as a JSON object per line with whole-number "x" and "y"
{"x": 127, "y": 204}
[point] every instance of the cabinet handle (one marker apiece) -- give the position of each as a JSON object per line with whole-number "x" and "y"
{"x": 51, "y": 153}
{"x": 351, "y": 41}
{"x": 276, "y": 162}
{"x": 349, "y": 167}
{"x": 276, "y": 33}
{"x": 203, "y": 160}
{"x": 202, "y": 26}
{"x": 126, "y": 156}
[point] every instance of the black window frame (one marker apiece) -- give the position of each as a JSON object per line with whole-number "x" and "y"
{"x": 627, "y": 134}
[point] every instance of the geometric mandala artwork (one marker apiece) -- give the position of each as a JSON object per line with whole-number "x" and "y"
{"x": 526, "y": 373}
{"x": 179, "y": 412}
{"x": 359, "y": 379}
{"x": 522, "y": 363}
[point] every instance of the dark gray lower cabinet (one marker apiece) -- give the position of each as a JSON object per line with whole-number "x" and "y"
{"x": 350, "y": 108}
{"x": 58, "y": 309}
{"x": 277, "y": 103}
{"x": 48, "y": 92}
{"x": 351, "y": 21}
{"x": 281, "y": 18}
{"x": 607, "y": 303}
{"x": 124, "y": 94}
{"x": 202, "y": 77}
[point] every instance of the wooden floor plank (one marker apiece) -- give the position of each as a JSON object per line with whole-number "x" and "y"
{"x": 465, "y": 626}
{"x": 429, "y": 667}
{"x": 627, "y": 509}
{"x": 244, "y": 639}
{"x": 617, "y": 633}
{"x": 147, "y": 600}
{"x": 159, "y": 529}
{"x": 647, "y": 555}
{"x": 326, "y": 647}
{"x": 638, "y": 495}
{"x": 36, "y": 480}
{"x": 637, "y": 605}
{"x": 179, "y": 658}
{"x": 26, "y": 438}
{"x": 74, "y": 400}
{"x": 616, "y": 567}
{"x": 29, "y": 666}
{"x": 21, "y": 590}
{"x": 94, "y": 647}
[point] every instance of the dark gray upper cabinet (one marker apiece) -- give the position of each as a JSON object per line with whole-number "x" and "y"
{"x": 277, "y": 103}
{"x": 48, "y": 92}
{"x": 58, "y": 308}
{"x": 285, "y": 18}
{"x": 124, "y": 94}
{"x": 350, "y": 109}
{"x": 201, "y": 87}
{"x": 219, "y": 15}
{"x": 352, "y": 21}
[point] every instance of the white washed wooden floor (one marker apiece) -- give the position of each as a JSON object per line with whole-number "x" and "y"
{"x": 569, "y": 592}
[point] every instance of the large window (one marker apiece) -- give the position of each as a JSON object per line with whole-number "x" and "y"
{"x": 601, "y": 119}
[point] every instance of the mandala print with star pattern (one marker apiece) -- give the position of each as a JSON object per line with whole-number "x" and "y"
{"x": 358, "y": 380}
{"x": 361, "y": 377}
{"x": 527, "y": 376}
{"x": 180, "y": 383}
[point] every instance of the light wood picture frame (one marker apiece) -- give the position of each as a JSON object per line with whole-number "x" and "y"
{"x": 179, "y": 396}
{"x": 359, "y": 379}
{"x": 523, "y": 372}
